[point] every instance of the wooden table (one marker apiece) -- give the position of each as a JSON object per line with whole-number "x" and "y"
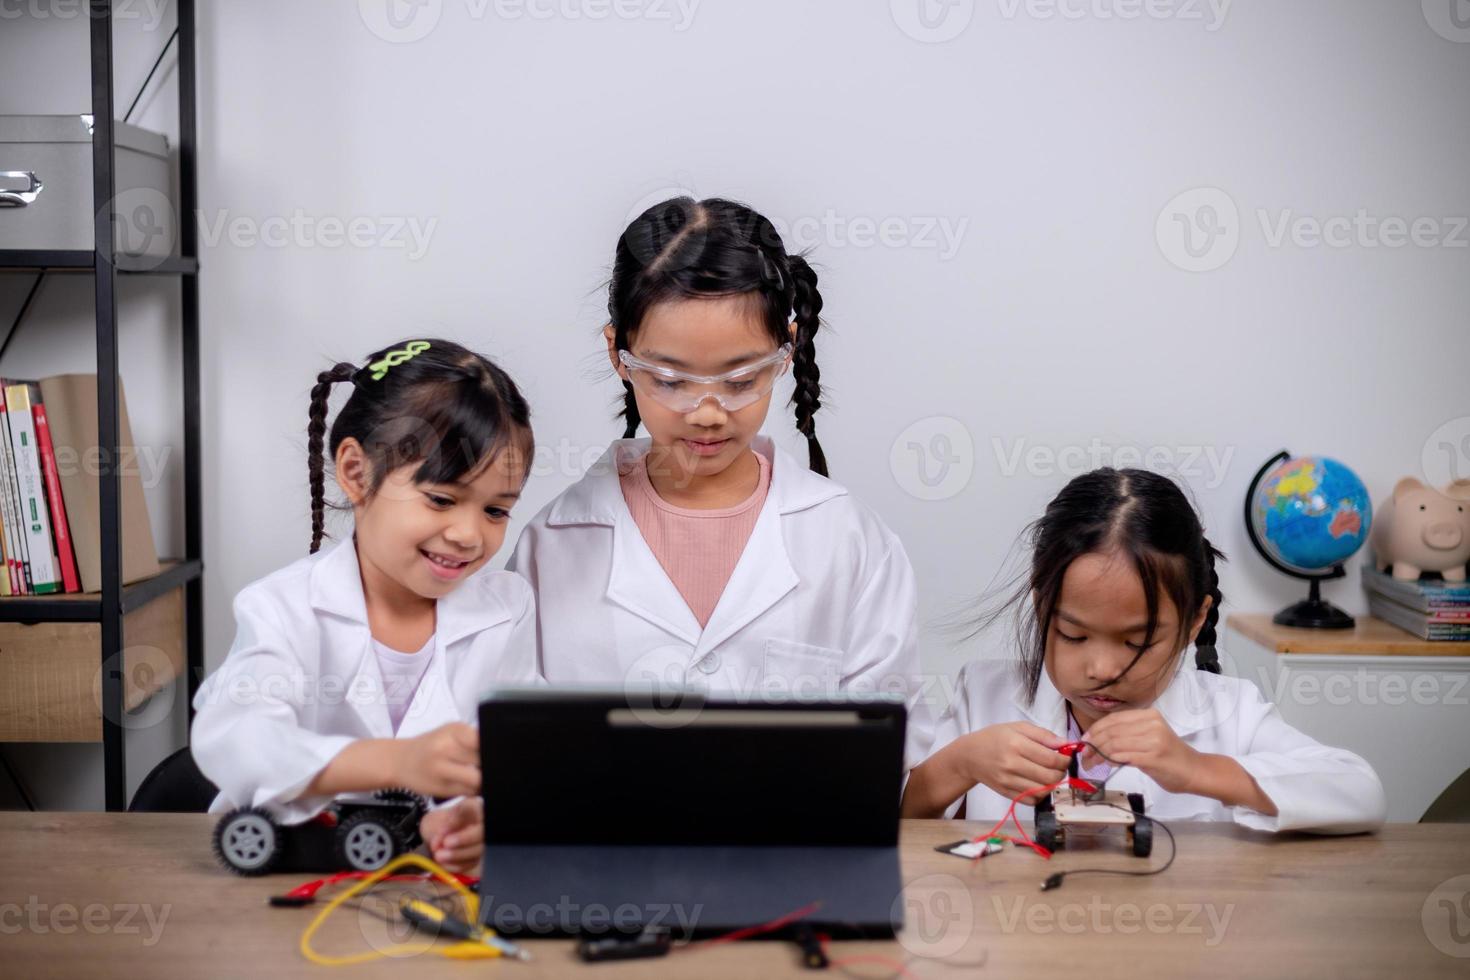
{"x": 133, "y": 895}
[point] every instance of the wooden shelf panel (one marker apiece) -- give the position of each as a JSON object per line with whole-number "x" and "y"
{"x": 1370, "y": 637}
{"x": 86, "y": 607}
{"x": 51, "y": 673}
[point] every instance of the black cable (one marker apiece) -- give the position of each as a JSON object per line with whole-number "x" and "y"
{"x": 144, "y": 87}
{"x": 1055, "y": 881}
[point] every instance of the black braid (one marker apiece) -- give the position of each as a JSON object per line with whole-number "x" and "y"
{"x": 316, "y": 431}
{"x": 807, "y": 307}
{"x": 630, "y": 411}
{"x": 1205, "y": 656}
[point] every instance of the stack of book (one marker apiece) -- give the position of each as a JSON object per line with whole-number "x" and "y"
{"x": 50, "y": 528}
{"x": 1431, "y": 609}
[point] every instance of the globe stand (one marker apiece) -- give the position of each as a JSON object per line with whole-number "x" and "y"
{"x": 1313, "y": 612}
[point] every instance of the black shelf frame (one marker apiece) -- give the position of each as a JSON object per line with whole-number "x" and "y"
{"x": 108, "y": 608}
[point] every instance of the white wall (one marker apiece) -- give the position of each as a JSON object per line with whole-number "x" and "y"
{"x": 1050, "y": 145}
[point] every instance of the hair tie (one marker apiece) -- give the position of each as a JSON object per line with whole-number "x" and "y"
{"x": 770, "y": 269}
{"x": 394, "y": 358}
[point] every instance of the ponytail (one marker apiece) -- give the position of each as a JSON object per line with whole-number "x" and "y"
{"x": 316, "y": 431}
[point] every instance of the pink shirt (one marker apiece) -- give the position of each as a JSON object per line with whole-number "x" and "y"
{"x": 698, "y": 549}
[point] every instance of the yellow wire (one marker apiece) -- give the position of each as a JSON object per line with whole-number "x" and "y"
{"x": 472, "y": 907}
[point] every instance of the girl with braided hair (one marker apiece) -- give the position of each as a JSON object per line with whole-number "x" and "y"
{"x": 361, "y": 667}
{"x": 703, "y": 554}
{"x": 1122, "y": 583}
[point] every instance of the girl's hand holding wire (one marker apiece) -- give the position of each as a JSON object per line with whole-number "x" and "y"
{"x": 1013, "y": 757}
{"x": 1143, "y": 739}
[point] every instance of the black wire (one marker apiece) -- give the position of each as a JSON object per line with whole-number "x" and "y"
{"x": 144, "y": 87}
{"x": 1055, "y": 881}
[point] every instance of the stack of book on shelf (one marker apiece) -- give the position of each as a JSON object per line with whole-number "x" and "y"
{"x": 50, "y": 507}
{"x": 1432, "y": 609}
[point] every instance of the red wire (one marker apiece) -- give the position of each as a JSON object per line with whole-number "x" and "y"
{"x": 1081, "y": 785}
{"x": 749, "y": 931}
{"x": 836, "y": 964}
{"x": 310, "y": 888}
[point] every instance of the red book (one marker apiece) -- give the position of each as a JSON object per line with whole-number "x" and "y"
{"x": 70, "y": 581}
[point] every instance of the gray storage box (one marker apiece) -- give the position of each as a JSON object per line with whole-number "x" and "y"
{"x": 46, "y": 186}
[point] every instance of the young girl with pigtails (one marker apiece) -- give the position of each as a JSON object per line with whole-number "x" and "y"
{"x": 361, "y": 667}
{"x": 704, "y": 555}
{"x": 1122, "y": 582}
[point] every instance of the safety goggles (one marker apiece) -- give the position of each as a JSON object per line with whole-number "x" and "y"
{"x": 681, "y": 392}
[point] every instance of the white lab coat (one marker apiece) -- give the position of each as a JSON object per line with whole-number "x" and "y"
{"x": 301, "y": 681}
{"x": 1315, "y": 787}
{"x": 822, "y": 600}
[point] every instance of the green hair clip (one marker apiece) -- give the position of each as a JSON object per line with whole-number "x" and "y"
{"x": 396, "y": 357}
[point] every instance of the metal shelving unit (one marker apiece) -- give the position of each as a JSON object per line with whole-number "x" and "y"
{"x": 108, "y": 608}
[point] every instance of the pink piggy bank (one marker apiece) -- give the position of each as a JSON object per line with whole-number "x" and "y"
{"x": 1422, "y": 529}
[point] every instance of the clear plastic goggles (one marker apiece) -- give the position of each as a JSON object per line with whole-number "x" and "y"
{"x": 681, "y": 392}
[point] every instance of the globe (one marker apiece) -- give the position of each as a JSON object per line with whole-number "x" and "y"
{"x": 1311, "y": 513}
{"x": 1307, "y": 515}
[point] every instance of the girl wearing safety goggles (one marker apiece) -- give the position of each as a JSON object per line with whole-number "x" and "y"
{"x": 704, "y": 555}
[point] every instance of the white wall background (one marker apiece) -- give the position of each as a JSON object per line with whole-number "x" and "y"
{"x": 1053, "y": 322}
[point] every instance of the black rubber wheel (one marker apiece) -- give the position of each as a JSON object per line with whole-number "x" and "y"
{"x": 1044, "y": 803}
{"x": 247, "y": 841}
{"x": 1048, "y": 833}
{"x": 1142, "y": 835}
{"x": 1135, "y": 800}
{"x": 366, "y": 842}
{"x": 398, "y": 794}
